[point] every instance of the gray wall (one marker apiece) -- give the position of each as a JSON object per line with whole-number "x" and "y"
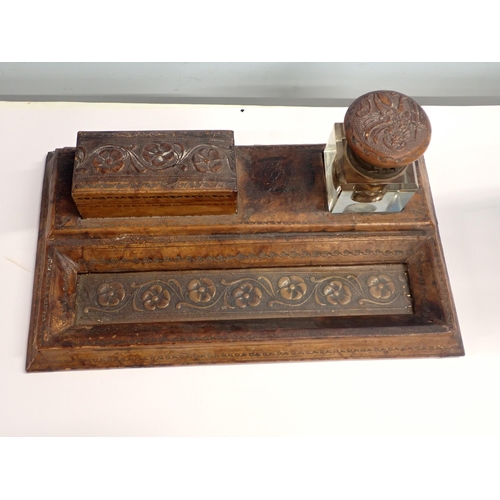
{"x": 300, "y": 84}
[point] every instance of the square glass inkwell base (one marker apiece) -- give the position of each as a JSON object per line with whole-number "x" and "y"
{"x": 354, "y": 185}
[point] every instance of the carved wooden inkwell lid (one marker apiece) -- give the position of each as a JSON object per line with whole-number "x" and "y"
{"x": 154, "y": 173}
{"x": 385, "y": 132}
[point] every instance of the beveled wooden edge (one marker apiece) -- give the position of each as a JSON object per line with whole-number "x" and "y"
{"x": 410, "y": 346}
{"x": 45, "y": 226}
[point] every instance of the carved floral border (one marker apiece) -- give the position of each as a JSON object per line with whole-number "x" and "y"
{"x": 201, "y": 296}
{"x": 153, "y": 157}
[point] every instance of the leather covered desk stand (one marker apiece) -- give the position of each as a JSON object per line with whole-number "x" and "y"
{"x": 177, "y": 247}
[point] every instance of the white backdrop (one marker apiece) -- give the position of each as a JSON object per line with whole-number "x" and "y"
{"x": 380, "y": 398}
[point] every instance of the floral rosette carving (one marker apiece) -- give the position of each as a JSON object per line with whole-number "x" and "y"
{"x": 160, "y": 156}
{"x": 201, "y": 290}
{"x": 381, "y": 286}
{"x": 337, "y": 293}
{"x": 109, "y": 160}
{"x": 208, "y": 159}
{"x": 110, "y": 294}
{"x": 247, "y": 294}
{"x": 155, "y": 297}
{"x": 292, "y": 287}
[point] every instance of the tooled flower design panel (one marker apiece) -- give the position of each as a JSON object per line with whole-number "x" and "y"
{"x": 156, "y": 296}
{"x": 110, "y": 294}
{"x": 238, "y": 294}
{"x": 247, "y": 295}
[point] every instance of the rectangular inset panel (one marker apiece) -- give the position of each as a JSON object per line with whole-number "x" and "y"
{"x": 150, "y": 297}
{"x": 155, "y": 173}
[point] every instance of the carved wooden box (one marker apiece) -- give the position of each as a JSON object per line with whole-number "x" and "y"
{"x": 121, "y": 174}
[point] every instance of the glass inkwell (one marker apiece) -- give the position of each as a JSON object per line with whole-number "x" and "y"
{"x": 371, "y": 158}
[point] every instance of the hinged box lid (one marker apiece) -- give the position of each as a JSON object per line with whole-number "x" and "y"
{"x": 155, "y": 173}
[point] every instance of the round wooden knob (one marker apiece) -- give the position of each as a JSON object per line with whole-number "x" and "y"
{"x": 387, "y": 129}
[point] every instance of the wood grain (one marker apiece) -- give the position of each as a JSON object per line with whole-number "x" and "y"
{"x": 282, "y": 227}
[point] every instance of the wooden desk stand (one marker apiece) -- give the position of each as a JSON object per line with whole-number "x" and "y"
{"x": 283, "y": 279}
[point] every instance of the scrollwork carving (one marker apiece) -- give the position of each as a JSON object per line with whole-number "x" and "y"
{"x": 323, "y": 291}
{"x": 113, "y": 159}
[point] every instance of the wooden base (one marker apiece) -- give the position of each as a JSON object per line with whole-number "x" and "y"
{"x": 282, "y": 279}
